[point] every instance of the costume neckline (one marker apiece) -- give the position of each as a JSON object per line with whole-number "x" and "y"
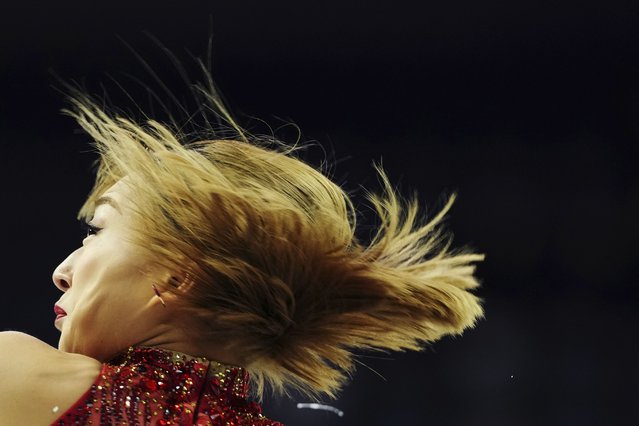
{"x": 133, "y": 352}
{"x": 222, "y": 378}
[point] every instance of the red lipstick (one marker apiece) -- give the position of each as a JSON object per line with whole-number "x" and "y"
{"x": 59, "y": 312}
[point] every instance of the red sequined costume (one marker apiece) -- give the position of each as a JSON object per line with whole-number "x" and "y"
{"x": 149, "y": 386}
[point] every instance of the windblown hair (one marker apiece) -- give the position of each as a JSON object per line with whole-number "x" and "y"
{"x": 270, "y": 243}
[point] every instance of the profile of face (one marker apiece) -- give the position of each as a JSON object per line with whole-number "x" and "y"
{"x": 108, "y": 295}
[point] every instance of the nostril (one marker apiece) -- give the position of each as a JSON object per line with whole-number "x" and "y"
{"x": 63, "y": 274}
{"x": 62, "y": 282}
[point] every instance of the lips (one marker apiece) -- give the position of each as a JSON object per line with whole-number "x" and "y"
{"x": 59, "y": 312}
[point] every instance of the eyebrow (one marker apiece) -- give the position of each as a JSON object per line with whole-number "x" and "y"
{"x": 105, "y": 199}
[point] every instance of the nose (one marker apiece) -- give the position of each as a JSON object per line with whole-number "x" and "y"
{"x": 63, "y": 273}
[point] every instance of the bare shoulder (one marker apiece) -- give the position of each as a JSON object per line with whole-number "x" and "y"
{"x": 14, "y": 342}
{"x": 23, "y": 352}
{"x": 35, "y": 378}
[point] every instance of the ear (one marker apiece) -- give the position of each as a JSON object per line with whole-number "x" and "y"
{"x": 181, "y": 283}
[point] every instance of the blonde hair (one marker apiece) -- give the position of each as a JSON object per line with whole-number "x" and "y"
{"x": 271, "y": 245}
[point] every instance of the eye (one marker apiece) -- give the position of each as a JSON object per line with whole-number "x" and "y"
{"x": 89, "y": 229}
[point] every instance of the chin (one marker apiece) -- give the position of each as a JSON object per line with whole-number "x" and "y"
{"x": 65, "y": 346}
{"x": 62, "y": 345}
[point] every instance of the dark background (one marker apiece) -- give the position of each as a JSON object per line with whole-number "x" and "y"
{"x": 527, "y": 109}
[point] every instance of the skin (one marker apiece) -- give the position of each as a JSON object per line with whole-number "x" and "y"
{"x": 108, "y": 289}
{"x": 108, "y": 296}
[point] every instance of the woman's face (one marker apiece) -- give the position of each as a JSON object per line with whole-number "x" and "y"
{"x": 108, "y": 295}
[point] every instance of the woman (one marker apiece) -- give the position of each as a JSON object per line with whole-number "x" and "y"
{"x": 214, "y": 270}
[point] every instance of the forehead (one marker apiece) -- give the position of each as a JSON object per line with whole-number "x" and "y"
{"x": 115, "y": 196}
{"x": 121, "y": 188}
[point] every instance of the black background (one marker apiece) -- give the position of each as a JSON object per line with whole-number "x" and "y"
{"x": 528, "y": 110}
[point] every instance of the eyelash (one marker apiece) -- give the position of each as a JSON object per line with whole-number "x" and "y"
{"x": 88, "y": 229}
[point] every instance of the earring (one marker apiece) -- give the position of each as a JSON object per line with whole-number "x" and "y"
{"x": 157, "y": 293}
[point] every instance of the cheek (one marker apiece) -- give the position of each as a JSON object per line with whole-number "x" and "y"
{"x": 107, "y": 271}
{"x": 103, "y": 324}
{"x": 84, "y": 329}
{"x": 107, "y": 297}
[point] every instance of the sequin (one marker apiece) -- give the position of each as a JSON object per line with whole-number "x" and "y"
{"x": 150, "y": 386}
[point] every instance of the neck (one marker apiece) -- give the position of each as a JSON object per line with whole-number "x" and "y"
{"x": 182, "y": 340}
